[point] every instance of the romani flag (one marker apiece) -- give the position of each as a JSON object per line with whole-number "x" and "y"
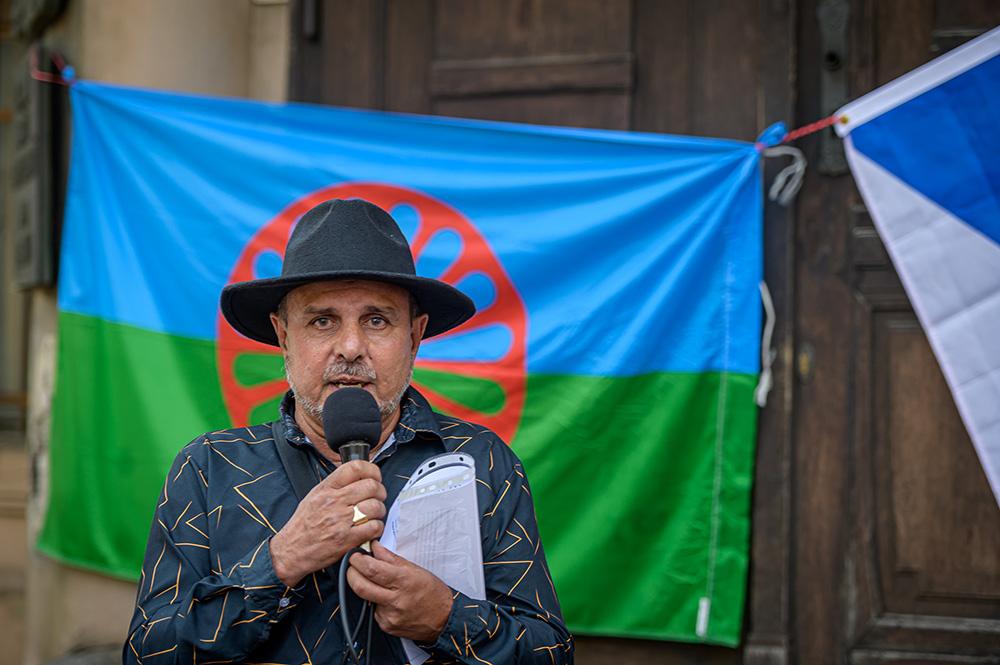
{"x": 616, "y": 346}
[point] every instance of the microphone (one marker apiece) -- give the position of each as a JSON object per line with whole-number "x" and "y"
{"x": 352, "y": 424}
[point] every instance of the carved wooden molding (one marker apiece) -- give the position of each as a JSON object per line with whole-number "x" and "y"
{"x": 455, "y": 78}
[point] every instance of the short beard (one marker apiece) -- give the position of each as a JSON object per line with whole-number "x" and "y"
{"x": 342, "y": 368}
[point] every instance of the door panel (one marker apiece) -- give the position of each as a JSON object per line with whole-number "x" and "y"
{"x": 524, "y": 28}
{"x": 939, "y": 554}
{"x": 544, "y": 61}
{"x": 922, "y": 567}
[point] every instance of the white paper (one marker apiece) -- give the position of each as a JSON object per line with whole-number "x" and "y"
{"x": 434, "y": 523}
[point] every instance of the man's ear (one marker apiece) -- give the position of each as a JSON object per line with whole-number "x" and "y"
{"x": 417, "y": 328}
{"x": 279, "y": 329}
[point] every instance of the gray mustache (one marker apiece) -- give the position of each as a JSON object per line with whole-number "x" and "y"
{"x": 356, "y": 370}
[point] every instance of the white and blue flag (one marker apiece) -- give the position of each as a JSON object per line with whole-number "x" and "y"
{"x": 925, "y": 152}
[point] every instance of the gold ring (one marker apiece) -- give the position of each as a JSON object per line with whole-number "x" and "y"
{"x": 359, "y": 517}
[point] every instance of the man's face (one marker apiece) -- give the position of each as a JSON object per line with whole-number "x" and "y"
{"x": 348, "y": 333}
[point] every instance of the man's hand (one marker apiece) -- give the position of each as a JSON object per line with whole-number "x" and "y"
{"x": 409, "y": 601}
{"x": 321, "y": 531}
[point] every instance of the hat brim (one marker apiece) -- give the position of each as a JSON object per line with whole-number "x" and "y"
{"x": 248, "y": 305}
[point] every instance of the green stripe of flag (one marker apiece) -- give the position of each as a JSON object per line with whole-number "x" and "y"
{"x": 595, "y": 446}
{"x": 126, "y": 398}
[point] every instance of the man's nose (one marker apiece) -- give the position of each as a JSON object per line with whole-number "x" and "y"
{"x": 350, "y": 344}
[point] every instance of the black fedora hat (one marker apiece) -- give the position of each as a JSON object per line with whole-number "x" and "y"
{"x": 340, "y": 239}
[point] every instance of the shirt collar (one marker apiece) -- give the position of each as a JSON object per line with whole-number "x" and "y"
{"x": 416, "y": 417}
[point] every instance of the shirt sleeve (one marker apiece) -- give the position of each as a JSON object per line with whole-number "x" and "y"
{"x": 188, "y": 609}
{"x": 520, "y": 620}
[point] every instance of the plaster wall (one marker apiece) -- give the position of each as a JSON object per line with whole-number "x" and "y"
{"x": 221, "y": 47}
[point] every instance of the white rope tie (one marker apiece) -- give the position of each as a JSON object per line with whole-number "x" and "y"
{"x": 767, "y": 354}
{"x": 788, "y": 182}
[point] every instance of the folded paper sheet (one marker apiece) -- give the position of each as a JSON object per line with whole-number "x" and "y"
{"x": 435, "y": 524}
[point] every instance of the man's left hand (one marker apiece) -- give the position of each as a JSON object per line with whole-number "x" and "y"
{"x": 409, "y": 601}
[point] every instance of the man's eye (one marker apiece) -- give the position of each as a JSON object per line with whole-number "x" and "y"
{"x": 322, "y": 322}
{"x": 377, "y": 322}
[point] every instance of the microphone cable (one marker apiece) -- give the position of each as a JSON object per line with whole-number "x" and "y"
{"x": 352, "y": 423}
{"x": 366, "y": 609}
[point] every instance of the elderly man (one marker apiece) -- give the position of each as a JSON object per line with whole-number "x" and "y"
{"x": 235, "y": 567}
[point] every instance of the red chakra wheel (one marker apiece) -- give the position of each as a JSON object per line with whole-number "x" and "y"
{"x": 476, "y": 371}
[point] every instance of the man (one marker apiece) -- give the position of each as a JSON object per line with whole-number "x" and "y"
{"x": 235, "y": 566}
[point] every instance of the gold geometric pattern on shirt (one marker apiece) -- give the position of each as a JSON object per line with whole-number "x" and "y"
{"x": 187, "y": 578}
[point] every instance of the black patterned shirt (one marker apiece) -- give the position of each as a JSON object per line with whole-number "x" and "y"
{"x": 208, "y": 592}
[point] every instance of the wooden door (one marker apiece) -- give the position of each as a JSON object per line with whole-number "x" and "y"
{"x": 706, "y": 67}
{"x": 875, "y": 537}
{"x": 896, "y": 534}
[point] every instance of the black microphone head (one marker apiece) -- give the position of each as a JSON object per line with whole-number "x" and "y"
{"x": 351, "y": 414}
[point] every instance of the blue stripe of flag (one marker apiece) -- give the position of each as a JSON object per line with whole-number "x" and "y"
{"x": 633, "y": 252}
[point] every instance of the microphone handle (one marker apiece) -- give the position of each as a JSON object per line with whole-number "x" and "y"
{"x": 350, "y": 451}
{"x": 354, "y": 450}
